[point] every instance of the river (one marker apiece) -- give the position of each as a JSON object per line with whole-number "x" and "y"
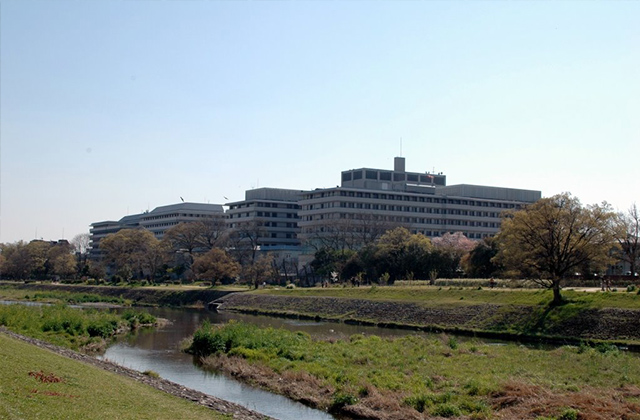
{"x": 158, "y": 350}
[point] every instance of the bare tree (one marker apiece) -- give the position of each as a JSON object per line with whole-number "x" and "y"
{"x": 245, "y": 240}
{"x": 213, "y": 232}
{"x": 81, "y": 243}
{"x": 627, "y": 235}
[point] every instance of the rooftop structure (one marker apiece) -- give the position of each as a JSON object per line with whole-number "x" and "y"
{"x": 370, "y": 201}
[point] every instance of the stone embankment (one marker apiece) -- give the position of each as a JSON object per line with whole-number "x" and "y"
{"x": 235, "y": 411}
{"x": 506, "y": 321}
{"x": 138, "y": 295}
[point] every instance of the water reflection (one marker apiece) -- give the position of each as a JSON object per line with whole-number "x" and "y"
{"x": 158, "y": 350}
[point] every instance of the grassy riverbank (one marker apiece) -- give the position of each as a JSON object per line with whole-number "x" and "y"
{"x": 408, "y": 377}
{"x": 512, "y": 314}
{"x": 38, "y": 384}
{"x": 167, "y": 295}
{"x": 457, "y": 296}
{"x": 71, "y": 327}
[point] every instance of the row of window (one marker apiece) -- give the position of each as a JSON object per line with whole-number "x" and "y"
{"x": 396, "y": 176}
{"x": 265, "y": 204}
{"x": 280, "y": 224}
{"x": 175, "y": 215}
{"x": 415, "y": 198}
{"x": 413, "y": 220}
{"x": 406, "y": 209}
{"x": 264, "y": 214}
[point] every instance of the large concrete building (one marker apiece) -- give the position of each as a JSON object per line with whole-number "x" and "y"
{"x": 274, "y": 211}
{"x": 158, "y": 221}
{"x": 421, "y": 202}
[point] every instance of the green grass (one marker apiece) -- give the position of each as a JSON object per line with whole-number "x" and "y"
{"x": 456, "y": 296}
{"x": 69, "y": 327}
{"x": 85, "y": 392}
{"x": 12, "y": 293}
{"x": 433, "y": 375}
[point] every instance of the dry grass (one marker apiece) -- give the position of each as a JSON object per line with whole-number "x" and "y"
{"x": 297, "y": 385}
{"x": 517, "y": 400}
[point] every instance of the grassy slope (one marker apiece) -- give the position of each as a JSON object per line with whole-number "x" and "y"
{"x": 447, "y": 297}
{"x": 85, "y": 393}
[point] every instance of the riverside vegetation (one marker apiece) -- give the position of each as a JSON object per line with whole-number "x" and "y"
{"x": 416, "y": 376}
{"x": 77, "y": 329}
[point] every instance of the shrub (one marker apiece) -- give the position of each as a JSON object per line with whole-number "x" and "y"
{"x": 446, "y": 410}
{"x": 136, "y": 318}
{"x": 569, "y": 414}
{"x": 206, "y": 341}
{"x": 631, "y": 288}
{"x": 151, "y": 373}
{"x": 102, "y": 328}
{"x": 341, "y": 399}
{"x": 419, "y": 402}
{"x": 453, "y": 343}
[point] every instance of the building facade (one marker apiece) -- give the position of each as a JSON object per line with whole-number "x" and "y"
{"x": 158, "y": 221}
{"x": 372, "y": 200}
{"x": 272, "y": 211}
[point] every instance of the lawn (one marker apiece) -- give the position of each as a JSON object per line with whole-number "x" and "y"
{"x": 38, "y": 384}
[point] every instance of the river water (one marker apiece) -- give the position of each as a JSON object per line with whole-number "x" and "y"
{"x": 158, "y": 350}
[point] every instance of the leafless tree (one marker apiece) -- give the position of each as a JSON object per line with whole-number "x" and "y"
{"x": 627, "y": 235}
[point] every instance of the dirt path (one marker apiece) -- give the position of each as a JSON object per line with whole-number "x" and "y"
{"x": 234, "y": 410}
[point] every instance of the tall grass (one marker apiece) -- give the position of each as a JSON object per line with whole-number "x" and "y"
{"x": 440, "y": 377}
{"x": 65, "y": 326}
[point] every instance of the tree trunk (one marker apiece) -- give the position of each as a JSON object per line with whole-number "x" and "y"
{"x": 557, "y": 297}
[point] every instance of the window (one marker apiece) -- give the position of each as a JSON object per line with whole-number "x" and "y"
{"x": 385, "y": 176}
{"x": 398, "y": 176}
{"x": 371, "y": 174}
{"x": 346, "y": 176}
{"x": 412, "y": 177}
{"x": 357, "y": 175}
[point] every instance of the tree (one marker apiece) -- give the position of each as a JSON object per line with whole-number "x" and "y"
{"x": 17, "y": 261}
{"x": 81, "y": 243}
{"x": 184, "y": 237}
{"x": 132, "y": 252}
{"x": 452, "y": 248}
{"x": 627, "y": 235}
{"x": 60, "y": 260}
{"x": 262, "y": 270}
{"x": 401, "y": 254}
{"x": 554, "y": 236}
{"x": 480, "y": 263}
{"x": 245, "y": 240}
{"x": 216, "y": 265}
{"x": 214, "y": 232}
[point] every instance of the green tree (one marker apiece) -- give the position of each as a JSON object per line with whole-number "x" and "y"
{"x": 555, "y": 235}
{"x": 216, "y": 265}
{"x": 480, "y": 263}
{"x": 132, "y": 252}
{"x": 401, "y": 254}
{"x": 17, "y": 261}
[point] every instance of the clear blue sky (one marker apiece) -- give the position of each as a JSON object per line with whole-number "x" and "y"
{"x": 110, "y": 108}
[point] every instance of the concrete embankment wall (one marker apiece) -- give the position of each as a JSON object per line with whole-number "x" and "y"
{"x": 138, "y": 295}
{"x": 506, "y": 321}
